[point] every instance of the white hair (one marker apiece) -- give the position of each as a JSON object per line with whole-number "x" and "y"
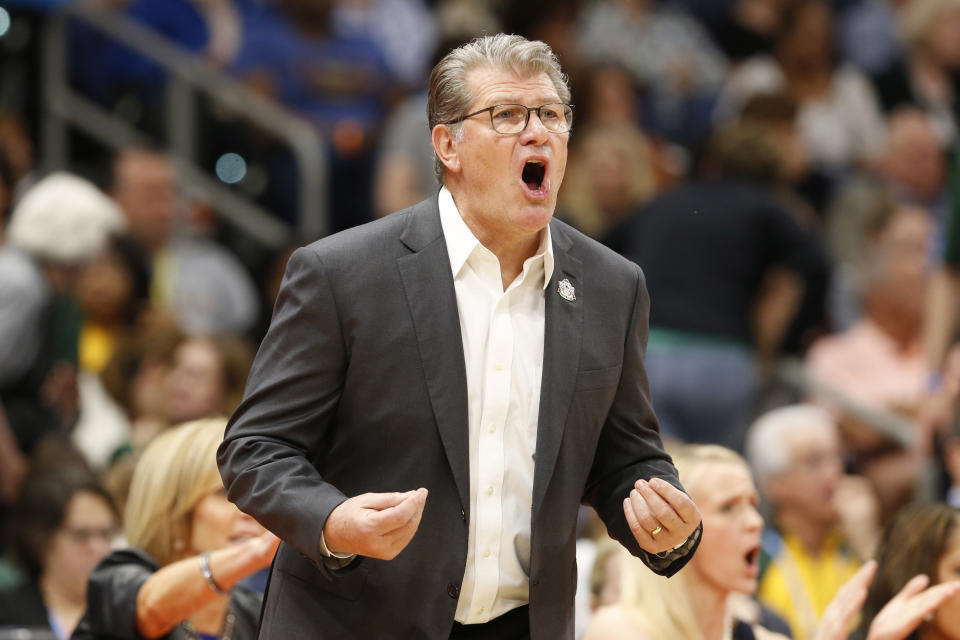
{"x": 64, "y": 219}
{"x": 449, "y": 94}
{"x": 767, "y": 446}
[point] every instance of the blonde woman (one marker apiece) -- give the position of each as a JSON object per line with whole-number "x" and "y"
{"x": 189, "y": 548}
{"x": 709, "y": 598}
{"x": 695, "y": 604}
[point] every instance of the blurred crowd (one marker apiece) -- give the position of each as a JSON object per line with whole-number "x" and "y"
{"x": 783, "y": 171}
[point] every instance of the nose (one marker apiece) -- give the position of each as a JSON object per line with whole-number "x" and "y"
{"x": 534, "y": 132}
{"x": 754, "y": 519}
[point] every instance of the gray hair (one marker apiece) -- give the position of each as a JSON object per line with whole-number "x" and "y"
{"x": 449, "y": 97}
{"x": 767, "y": 440}
{"x": 64, "y": 219}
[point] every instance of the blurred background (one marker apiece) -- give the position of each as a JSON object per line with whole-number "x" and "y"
{"x": 784, "y": 171}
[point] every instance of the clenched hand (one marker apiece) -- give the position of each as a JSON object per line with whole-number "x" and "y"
{"x": 377, "y": 525}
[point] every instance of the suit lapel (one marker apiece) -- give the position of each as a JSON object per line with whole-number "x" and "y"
{"x": 428, "y": 285}
{"x": 561, "y": 357}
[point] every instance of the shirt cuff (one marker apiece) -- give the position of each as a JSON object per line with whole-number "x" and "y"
{"x": 326, "y": 553}
{"x": 668, "y": 557}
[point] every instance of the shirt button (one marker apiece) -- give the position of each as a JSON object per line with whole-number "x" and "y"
{"x": 486, "y": 553}
{"x": 490, "y": 490}
{"x": 480, "y": 611}
{"x": 499, "y": 366}
{"x": 453, "y": 590}
{"x": 492, "y": 428}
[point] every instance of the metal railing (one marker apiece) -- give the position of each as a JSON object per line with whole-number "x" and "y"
{"x": 188, "y": 77}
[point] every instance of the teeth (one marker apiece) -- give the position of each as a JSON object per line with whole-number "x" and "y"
{"x": 536, "y": 162}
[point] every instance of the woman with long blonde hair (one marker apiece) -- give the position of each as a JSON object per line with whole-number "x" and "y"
{"x": 709, "y": 599}
{"x": 190, "y": 547}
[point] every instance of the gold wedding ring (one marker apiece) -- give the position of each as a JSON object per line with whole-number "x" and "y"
{"x": 656, "y": 531}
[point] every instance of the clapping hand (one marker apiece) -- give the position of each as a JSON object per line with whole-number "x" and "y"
{"x": 660, "y": 516}
{"x": 839, "y": 614}
{"x": 377, "y": 525}
{"x": 909, "y": 607}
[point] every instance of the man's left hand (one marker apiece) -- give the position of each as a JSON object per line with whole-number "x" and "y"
{"x": 660, "y": 516}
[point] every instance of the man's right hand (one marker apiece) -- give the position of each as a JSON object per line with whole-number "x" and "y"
{"x": 377, "y": 525}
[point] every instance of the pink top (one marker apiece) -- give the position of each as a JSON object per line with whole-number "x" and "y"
{"x": 866, "y": 365}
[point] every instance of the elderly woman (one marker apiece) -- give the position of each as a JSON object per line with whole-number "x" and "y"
{"x": 62, "y": 527}
{"x": 59, "y": 225}
{"x": 190, "y": 548}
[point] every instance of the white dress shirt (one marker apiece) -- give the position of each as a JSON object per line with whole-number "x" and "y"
{"x": 502, "y": 335}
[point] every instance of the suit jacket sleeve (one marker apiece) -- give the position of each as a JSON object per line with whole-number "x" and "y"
{"x": 630, "y": 447}
{"x": 288, "y": 412}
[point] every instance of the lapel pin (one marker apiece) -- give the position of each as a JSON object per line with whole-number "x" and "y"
{"x": 566, "y": 290}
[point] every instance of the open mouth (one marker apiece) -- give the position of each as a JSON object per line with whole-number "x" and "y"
{"x": 752, "y": 558}
{"x": 534, "y": 172}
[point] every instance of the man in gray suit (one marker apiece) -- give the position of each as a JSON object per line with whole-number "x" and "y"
{"x": 470, "y": 349}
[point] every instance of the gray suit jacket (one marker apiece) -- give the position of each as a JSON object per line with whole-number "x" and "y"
{"x": 360, "y": 386}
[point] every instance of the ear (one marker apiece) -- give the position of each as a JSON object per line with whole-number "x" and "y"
{"x": 445, "y": 147}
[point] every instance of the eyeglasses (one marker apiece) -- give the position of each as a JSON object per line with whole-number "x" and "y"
{"x": 510, "y": 119}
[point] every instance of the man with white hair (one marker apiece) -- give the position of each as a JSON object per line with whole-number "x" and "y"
{"x": 471, "y": 347}
{"x": 796, "y": 458}
{"x": 60, "y": 224}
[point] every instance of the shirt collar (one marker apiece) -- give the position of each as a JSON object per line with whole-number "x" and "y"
{"x": 461, "y": 242}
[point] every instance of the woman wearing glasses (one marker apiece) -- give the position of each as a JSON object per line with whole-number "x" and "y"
{"x": 190, "y": 547}
{"x": 62, "y": 526}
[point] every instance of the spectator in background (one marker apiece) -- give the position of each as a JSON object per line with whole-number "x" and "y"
{"x": 669, "y": 53}
{"x": 403, "y": 30}
{"x": 62, "y": 527}
{"x": 196, "y": 280}
{"x": 135, "y": 378}
{"x": 911, "y": 171}
{"x": 297, "y": 55}
{"x": 207, "y": 377}
{"x": 870, "y": 34}
{"x": 705, "y": 598}
{"x": 189, "y": 548}
{"x": 165, "y": 378}
{"x": 879, "y": 364}
{"x": 839, "y": 117}
{"x": 113, "y": 292}
{"x": 17, "y": 148}
{"x": 925, "y": 77}
{"x": 796, "y": 457}
{"x": 60, "y": 224}
{"x": 707, "y": 248}
{"x": 920, "y": 547}
{"x": 132, "y": 86}
{"x": 606, "y": 93}
{"x": 913, "y": 167}
{"x": 405, "y": 172}
{"x": 610, "y": 176}
{"x": 745, "y": 28}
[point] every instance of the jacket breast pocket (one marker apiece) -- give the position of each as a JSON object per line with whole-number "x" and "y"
{"x": 592, "y": 379}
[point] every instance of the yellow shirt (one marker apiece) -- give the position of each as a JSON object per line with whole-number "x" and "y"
{"x": 798, "y": 585}
{"x": 96, "y": 347}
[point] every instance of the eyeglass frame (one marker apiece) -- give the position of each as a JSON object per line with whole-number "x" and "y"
{"x": 526, "y": 120}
